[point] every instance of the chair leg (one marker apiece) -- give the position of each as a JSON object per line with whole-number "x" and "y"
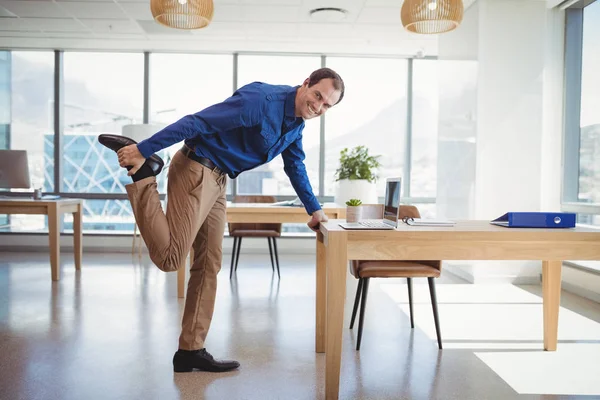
{"x": 361, "y": 318}
{"x": 435, "y": 310}
{"x": 237, "y": 256}
{"x": 410, "y": 301}
{"x": 235, "y": 241}
{"x": 271, "y": 254}
{"x": 276, "y": 256}
{"x": 356, "y": 302}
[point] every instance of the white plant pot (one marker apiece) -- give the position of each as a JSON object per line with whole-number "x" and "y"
{"x": 361, "y": 189}
{"x": 353, "y": 213}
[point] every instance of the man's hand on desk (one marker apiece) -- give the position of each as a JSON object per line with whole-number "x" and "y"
{"x": 317, "y": 217}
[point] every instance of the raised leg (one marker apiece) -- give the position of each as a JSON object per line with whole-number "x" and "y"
{"x": 77, "y": 235}
{"x": 356, "y": 302}
{"x": 54, "y": 236}
{"x": 410, "y": 301}
{"x": 337, "y": 262}
{"x": 361, "y": 317}
{"x": 436, "y": 319}
{"x": 321, "y": 296}
{"x": 551, "y": 282}
{"x": 192, "y": 191}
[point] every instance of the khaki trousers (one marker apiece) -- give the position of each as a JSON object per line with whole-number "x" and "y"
{"x": 196, "y": 205}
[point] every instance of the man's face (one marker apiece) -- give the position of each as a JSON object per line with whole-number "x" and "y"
{"x": 314, "y": 101}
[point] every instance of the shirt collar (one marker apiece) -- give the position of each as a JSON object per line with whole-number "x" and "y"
{"x": 290, "y": 103}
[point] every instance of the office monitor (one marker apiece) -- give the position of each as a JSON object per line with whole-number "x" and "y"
{"x": 14, "y": 170}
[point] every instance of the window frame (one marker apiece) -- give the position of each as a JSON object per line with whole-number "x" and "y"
{"x": 572, "y": 111}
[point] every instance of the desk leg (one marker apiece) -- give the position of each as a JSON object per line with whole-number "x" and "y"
{"x": 336, "y": 295}
{"x": 77, "y": 235}
{"x": 321, "y": 310}
{"x": 54, "y": 236}
{"x": 551, "y": 280}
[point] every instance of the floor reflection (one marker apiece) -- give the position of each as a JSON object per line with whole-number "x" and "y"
{"x": 110, "y": 330}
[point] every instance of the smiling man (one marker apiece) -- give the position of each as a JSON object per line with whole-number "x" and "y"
{"x": 256, "y": 124}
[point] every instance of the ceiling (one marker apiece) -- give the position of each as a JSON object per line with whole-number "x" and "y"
{"x": 369, "y": 27}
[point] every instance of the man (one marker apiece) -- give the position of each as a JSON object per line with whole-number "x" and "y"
{"x": 250, "y": 128}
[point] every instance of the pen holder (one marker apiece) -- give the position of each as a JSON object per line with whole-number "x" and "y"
{"x": 353, "y": 213}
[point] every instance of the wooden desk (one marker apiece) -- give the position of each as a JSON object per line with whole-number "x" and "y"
{"x": 263, "y": 213}
{"x": 53, "y": 209}
{"x": 468, "y": 240}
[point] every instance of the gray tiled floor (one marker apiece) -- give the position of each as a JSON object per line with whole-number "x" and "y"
{"x": 109, "y": 332}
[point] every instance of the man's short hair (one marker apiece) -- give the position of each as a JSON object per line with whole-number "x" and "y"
{"x": 327, "y": 73}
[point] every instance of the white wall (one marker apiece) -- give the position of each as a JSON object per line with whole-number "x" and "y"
{"x": 517, "y": 46}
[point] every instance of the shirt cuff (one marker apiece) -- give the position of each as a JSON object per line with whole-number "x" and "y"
{"x": 312, "y": 206}
{"x": 145, "y": 148}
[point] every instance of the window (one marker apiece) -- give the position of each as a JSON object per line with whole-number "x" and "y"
{"x": 5, "y": 97}
{"x": 424, "y": 137}
{"x": 589, "y": 151}
{"x": 372, "y": 113}
{"x": 26, "y": 120}
{"x": 103, "y": 92}
{"x": 581, "y": 175}
{"x": 581, "y": 178}
{"x": 183, "y": 84}
{"x": 270, "y": 179}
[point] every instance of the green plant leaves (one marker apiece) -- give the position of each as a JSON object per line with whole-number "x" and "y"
{"x": 353, "y": 202}
{"x": 357, "y": 164}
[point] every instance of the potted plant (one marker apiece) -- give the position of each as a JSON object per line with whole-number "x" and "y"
{"x": 353, "y": 210}
{"x": 356, "y": 175}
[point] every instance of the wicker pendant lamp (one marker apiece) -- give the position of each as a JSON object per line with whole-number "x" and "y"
{"x": 182, "y": 14}
{"x": 431, "y": 16}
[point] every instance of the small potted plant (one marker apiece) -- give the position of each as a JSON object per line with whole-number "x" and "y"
{"x": 356, "y": 175}
{"x": 353, "y": 210}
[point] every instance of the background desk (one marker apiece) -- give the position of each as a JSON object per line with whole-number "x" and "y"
{"x": 468, "y": 240}
{"x": 263, "y": 213}
{"x": 53, "y": 209}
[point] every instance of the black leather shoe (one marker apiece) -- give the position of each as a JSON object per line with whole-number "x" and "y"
{"x": 116, "y": 142}
{"x": 187, "y": 361}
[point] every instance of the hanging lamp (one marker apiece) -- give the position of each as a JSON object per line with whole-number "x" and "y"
{"x": 431, "y": 16}
{"x": 182, "y": 14}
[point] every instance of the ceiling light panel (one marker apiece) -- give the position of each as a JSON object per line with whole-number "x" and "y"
{"x": 42, "y": 9}
{"x": 93, "y": 9}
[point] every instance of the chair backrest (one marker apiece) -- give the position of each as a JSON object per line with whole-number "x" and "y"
{"x": 408, "y": 211}
{"x": 254, "y": 226}
{"x": 375, "y": 211}
{"x": 413, "y": 212}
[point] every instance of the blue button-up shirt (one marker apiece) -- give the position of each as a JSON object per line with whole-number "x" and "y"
{"x": 247, "y": 130}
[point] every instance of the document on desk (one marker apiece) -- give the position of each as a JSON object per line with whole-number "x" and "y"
{"x": 428, "y": 222}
